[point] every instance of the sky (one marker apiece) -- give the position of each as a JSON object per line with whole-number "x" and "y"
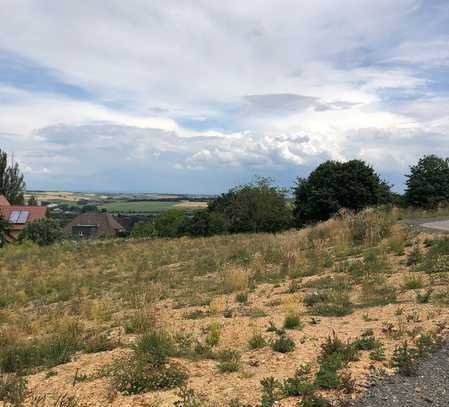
{"x": 197, "y": 96}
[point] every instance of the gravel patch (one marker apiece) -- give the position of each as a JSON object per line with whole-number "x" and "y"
{"x": 429, "y": 388}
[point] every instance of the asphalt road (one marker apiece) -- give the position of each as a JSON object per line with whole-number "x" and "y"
{"x": 438, "y": 225}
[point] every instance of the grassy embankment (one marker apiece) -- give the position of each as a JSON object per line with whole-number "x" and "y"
{"x": 238, "y": 319}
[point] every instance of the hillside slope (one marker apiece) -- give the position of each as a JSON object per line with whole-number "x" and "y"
{"x": 317, "y": 309}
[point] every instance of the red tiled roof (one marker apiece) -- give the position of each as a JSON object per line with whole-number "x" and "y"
{"x": 35, "y": 213}
{"x": 4, "y": 201}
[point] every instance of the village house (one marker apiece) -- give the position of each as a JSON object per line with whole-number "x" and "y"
{"x": 94, "y": 225}
{"x": 19, "y": 216}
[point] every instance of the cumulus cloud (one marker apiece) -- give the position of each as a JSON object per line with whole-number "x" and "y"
{"x": 200, "y": 95}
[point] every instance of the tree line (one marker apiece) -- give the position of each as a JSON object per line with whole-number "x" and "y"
{"x": 260, "y": 206}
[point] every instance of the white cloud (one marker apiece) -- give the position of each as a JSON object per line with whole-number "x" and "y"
{"x": 237, "y": 86}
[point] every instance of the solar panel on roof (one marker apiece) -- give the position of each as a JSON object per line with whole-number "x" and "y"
{"x": 23, "y": 217}
{"x": 14, "y": 216}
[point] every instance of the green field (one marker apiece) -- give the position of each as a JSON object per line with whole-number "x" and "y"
{"x": 150, "y": 206}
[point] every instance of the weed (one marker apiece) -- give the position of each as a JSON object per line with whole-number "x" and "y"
{"x": 242, "y": 298}
{"x": 425, "y": 297}
{"x": 270, "y": 392}
{"x": 213, "y": 334}
{"x": 378, "y": 354}
{"x": 155, "y": 347}
{"x": 229, "y": 361}
{"x": 425, "y": 345}
{"x": 292, "y": 321}
{"x": 314, "y": 401}
{"x": 134, "y": 375}
{"x": 12, "y": 389}
{"x": 235, "y": 279}
{"x": 405, "y": 359}
{"x": 257, "y": 341}
{"x": 299, "y": 384}
{"x": 187, "y": 398}
{"x": 283, "y": 344}
{"x": 412, "y": 282}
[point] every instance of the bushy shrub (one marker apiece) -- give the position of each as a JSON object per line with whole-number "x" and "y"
{"x": 155, "y": 347}
{"x": 283, "y": 344}
{"x": 134, "y": 375}
{"x": 170, "y": 223}
{"x": 255, "y": 207}
{"x": 257, "y": 341}
{"x": 292, "y": 321}
{"x": 42, "y": 231}
{"x": 142, "y": 230}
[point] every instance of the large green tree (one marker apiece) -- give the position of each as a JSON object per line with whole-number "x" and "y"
{"x": 428, "y": 182}
{"x": 170, "y": 223}
{"x": 254, "y": 207}
{"x": 335, "y": 185}
{"x": 12, "y": 184}
{"x": 205, "y": 223}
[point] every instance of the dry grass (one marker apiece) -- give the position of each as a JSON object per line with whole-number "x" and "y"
{"x": 72, "y": 310}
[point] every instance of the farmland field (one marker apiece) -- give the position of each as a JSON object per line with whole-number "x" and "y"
{"x": 150, "y": 206}
{"x": 224, "y": 321}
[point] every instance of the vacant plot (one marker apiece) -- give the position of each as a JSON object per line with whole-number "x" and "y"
{"x": 243, "y": 320}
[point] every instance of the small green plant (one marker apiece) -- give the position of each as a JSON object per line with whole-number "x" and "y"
{"x": 257, "y": 341}
{"x": 292, "y": 321}
{"x": 12, "y": 389}
{"x": 425, "y": 345}
{"x": 271, "y": 392}
{"x": 242, "y": 298}
{"x": 213, "y": 334}
{"x": 424, "y": 298}
{"x": 283, "y": 344}
{"x": 412, "y": 282}
{"x": 155, "y": 347}
{"x": 404, "y": 359}
{"x": 229, "y": 361}
{"x": 327, "y": 376}
{"x": 367, "y": 341}
{"x": 334, "y": 356}
{"x": 299, "y": 384}
{"x": 138, "y": 323}
{"x": 187, "y": 398}
{"x": 134, "y": 375}
{"x": 378, "y": 354}
{"x": 313, "y": 400}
